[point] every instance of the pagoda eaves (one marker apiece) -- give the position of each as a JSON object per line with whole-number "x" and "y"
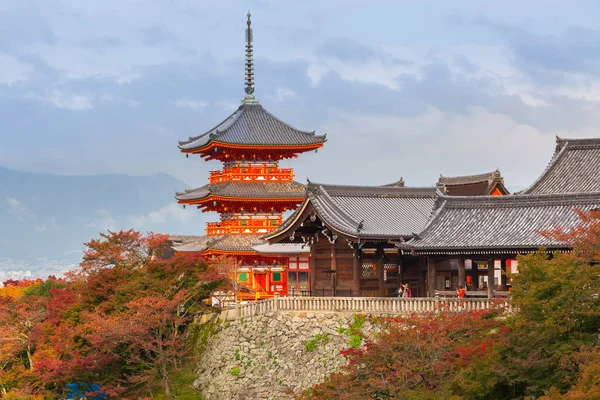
{"x": 252, "y": 133}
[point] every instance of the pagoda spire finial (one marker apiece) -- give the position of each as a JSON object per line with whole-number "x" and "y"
{"x": 249, "y": 98}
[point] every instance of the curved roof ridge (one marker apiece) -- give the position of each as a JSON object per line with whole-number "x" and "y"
{"x": 433, "y": 217}
{"x": 332, "y": 206}
{"x": 288, "y": 221}
{"x": 553, "y": 161}
{"x": 231, "y": 116}
{"x": 252, "y": 124}
{"x": 518, "y": 199}
{"x": 378, "y": 189}
{"x": 575, "y": 142}
{"x": 468, "y": 179}
{"x": 291, "y": 126}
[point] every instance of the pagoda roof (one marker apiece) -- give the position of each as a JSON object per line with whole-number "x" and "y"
{"x": 499, "y": 224}
{"x": 364, "y": 211}
{"x": 242, "y": 190}
{"x": 573, "y": 168}
{"x": 226, "y": 243}
{"x": 252, "y": 125}
{"x": 232, "y": 243}
{"x": 190, "y": 243}
{"x": 472, "y": 185}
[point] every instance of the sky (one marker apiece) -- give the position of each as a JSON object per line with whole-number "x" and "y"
{"x": 401, "y": 88}
{"x": 410, "y": 89}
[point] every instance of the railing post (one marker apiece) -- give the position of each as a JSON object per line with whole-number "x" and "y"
{"x": 276, "y": 302}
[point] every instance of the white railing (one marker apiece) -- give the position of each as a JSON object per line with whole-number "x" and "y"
{"x": 368, "y": 305}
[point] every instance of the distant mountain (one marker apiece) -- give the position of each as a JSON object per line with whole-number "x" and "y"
{"x": 45, "y": 218}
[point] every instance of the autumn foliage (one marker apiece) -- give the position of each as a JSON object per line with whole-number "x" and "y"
{"x": 119, "y": 320}
{"x": 548, "y": 350}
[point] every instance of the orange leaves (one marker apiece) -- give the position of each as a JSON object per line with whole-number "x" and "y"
{"x": 415, "y": 354}
{"x": 584, "y": 238}
{"x": 16, "y": 288}
{"x": 121, "y": 318}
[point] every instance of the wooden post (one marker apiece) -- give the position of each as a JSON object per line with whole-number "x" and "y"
{"x": 503, "y": 274}
{"x": 423, "y": 273}
{"x": 490, "y": 274}
{"x": 312, "y": 268}
{"x": 356, "y": 267}
{"x": 475, "y": 275}
{"x": 461, "y": 273}
{"x": 431, "y": 277}
{"x": 400, "y": 268}
{"x": 333, "y": 267}
{"x": 379, "y": 269}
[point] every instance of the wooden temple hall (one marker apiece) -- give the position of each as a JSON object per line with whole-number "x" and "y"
{"x": 367, "y": 240}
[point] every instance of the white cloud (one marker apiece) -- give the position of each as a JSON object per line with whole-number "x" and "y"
{"x": 40, "y": 228}
{"x": 19, "y": 210}
{"x": 191, "y": 104}
{"x": 384, "y": 73}
{"x": 13, "y": 71}
{"x": 282, "y": 94}
{"x": 447, "y": 143}
{"x": 104, "y": 222}
{"x": 168, "y": 214}
{"x": 66, "y": 101}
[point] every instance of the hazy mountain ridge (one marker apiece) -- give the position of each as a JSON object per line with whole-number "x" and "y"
{"x": 45, "y": 218}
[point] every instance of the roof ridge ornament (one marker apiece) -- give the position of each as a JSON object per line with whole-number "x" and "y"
{"x": 249, "y": 98}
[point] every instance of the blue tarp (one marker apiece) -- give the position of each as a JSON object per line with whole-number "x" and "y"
{"x": 77, "y": 390}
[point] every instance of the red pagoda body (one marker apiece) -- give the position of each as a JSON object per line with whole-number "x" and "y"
{"x": 251, "y": 192}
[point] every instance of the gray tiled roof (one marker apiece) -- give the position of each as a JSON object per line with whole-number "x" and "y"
{"x": 253, "y": 125}
{"x": 472, "y": 185}
{"x": 241, "y": 189}
{"x": 191, "y": 243}
{"x": 501, "y": 222}
{"x": 235, "y": 243}
{"x": 369, "y": 211}
{"x": 469, "y": 179}
{"x": 574, "y": 168}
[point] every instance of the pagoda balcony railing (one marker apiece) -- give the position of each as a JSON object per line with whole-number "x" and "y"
{"x": 252, "y": 174}
{"x": 235, "y": 226}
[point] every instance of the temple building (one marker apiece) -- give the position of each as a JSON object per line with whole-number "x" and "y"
{"x": 488, "y": 184}
{"x": 365, "y": 240}
{"x": 574, "y": 168}
{"x": 490, "y": 232}
{"x": 352, "y": 232}
{"x": 250, "y": 192}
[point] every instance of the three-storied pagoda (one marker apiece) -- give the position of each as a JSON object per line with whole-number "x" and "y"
{"x": 251, "y": 192}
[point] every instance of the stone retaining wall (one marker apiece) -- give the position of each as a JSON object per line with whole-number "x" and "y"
{"x": 267, "y": 356}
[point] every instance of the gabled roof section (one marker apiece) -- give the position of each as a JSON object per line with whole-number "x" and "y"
{"x": 252, "y": 125}
{"x": 500, "y": 223}
{"x": 229, "y": 243}
{"x": 574, "y": 168}
{"x": 367, "y": 211}
{"x": 191, "y": 243}
{"x": 234, "y": 243}
{"x": 472, "y": 185}
{"x": 242, "y": 190}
